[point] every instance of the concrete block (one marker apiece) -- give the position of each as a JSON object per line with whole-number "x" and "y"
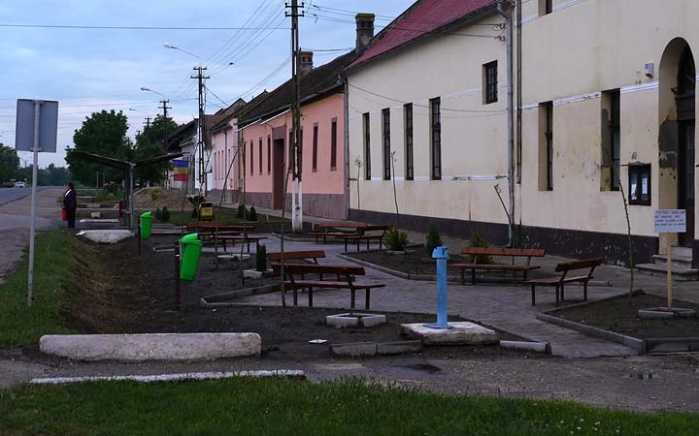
{"x": 106, "y": 236}
{"x": 398, "y": 347}
{"x": 152, "y": 346}
{"x": 539, "y": 347}
{"x": 354, "y": 319}
{"x": 95, "y": 215}
{"x": 461, "y": 333}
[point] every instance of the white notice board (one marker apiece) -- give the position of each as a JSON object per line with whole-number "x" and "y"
{"x": 670, "y": 221}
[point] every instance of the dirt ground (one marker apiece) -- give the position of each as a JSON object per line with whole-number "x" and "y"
{"x": 123, "y": 292}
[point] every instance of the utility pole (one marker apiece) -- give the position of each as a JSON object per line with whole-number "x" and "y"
{"x": 147, "y": 123}
{"x": 165, "y": 108}
{"x": 201, "y": 132}
{"x": 296, "y": 151}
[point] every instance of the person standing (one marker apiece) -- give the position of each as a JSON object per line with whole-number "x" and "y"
{"x": 70, "y": 203}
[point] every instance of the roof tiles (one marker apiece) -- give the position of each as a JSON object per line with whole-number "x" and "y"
{"x": 422, "y": 18}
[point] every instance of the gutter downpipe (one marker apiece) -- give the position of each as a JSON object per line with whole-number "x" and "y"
{"x": 510, "y": 120}
{"x": 346, "y": 166}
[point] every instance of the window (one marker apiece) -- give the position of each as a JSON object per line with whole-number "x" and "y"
{"x": 611, "y": 140}
{"x": 333, "y": 144}
{"x": 252, "y": 158}
{"x": 436, "y": 138}
{"x": 639, "y": 184}
{"x": 386, "y": 138}
{"x": 367, "y": 145}
{"x": 259, "y": 150}
{"x": 269, "y": 154}
{"x": 315, "y": 148}
{"x": 490, "y": 80}
{"x": 545, "y": 7}
{"x": 409, "y": 166}
{"x": 546, "y": 146}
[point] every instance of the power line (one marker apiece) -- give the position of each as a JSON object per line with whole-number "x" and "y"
{"x": 95, "y": 27}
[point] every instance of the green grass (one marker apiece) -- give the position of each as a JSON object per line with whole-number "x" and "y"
{"x": 20, "y": 325}
{"x": 290, "y": 407}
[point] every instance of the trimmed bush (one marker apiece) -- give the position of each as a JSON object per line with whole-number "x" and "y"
{"x": 477, "y": 240}
{"x": 165, "y": 215}
{"x": 395, "y": 239}
{"x": 253, "y": 214}
{"x": 242, "y": 212}
{"x": 433, "y": 240}
{"x": 158, "y": 214}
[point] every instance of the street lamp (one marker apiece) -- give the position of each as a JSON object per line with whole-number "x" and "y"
{"x": 168, "y": 45}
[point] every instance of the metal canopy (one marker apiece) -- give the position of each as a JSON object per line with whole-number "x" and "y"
{"x": 126, "y": 166}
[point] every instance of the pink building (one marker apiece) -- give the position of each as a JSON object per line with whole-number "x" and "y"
{"x": 265, "y": 136}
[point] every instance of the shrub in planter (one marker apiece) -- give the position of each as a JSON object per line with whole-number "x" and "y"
{"x": 395, "y": 239}
{"x": 261, "y": 258}
{"x": 432, "y": 240}
{"x": 252, "y": 216}
{"x": 242, "y": 212}
{"x": 165, "y": 215}
{"x": 477, "y": 240}
{"x": 158, "y": 214}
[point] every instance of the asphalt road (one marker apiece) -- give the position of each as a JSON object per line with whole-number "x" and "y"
{"x": 15, "y": 220}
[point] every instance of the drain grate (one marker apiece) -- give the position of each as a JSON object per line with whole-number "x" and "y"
{"x": 641, "y": 376}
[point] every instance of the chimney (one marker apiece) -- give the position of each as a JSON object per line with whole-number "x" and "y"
{"x": 365, "y": 30}
{"x": 305, "y": 62}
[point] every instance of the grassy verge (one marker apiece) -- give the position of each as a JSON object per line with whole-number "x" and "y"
{"x": 288, "y": 407}
{"x": 20, "y": 325}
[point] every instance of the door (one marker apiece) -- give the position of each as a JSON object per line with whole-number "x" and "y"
{"x": 278, "y": 172}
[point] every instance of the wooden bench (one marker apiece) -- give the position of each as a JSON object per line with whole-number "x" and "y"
{"x": 310, "y": 256}
{"x": 337, "y": 230}
{"x": 559, "y": 281}
{"x": 524, "y": 266}
{"x": 368, "y": 233}
{"x": 344, "y": 278}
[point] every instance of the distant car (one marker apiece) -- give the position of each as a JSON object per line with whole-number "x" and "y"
{"x": 8, "y": 184}
{"x": 20, "y": 185}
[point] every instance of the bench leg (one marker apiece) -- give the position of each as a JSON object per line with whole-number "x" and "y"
{"x": 558, "y": 289}
{"x": 310, "y": 297}
{"x": 584, "y": 291}
{"x": 352, "y": 298}
{"x": 296, "y": 297}
{"x": 367, "y": 298}
{"x": 473, "y": 276}
{"x": 533, "y": 295}
{"x": 463, "y": 276}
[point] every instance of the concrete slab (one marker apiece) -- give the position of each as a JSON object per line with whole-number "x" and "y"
{"x": 106, "y": 236}
{"x": 462, "y": 333}
{"x": 354, "y": 319}
{"x": 152, "y": 346}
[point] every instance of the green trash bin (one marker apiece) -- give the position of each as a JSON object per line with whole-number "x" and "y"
{"x": 190, "y": 251}
{"x": 146, "y": 224}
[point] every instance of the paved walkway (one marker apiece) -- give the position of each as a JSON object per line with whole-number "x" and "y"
{"x": 505, "y": 307}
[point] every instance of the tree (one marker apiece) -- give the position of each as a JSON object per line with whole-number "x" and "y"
{"x": 9, "y": 163}
{"x": 150, "y": 143}
{"x": 102, "y": 133}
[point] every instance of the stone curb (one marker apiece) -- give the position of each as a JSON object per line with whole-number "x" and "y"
{"x": 152, "y": 346}
{"x": 539, "y": 347}
{"x": 358, "y": 349}
{"x": 636, "y": 344}
{"x": 219, "y": 300}
{"x": 288, "y": 373}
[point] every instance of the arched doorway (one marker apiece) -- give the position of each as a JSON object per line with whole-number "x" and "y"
{"x": 686, "y": 109}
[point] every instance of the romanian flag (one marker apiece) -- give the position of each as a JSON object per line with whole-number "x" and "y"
{"x": 180, "y": 169}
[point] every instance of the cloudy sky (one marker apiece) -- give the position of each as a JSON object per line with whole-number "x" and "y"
{"x": 91, "y": 55}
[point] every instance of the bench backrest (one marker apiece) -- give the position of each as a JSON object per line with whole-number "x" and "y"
{"x": 311, "y": 255}
{"x": 309, "y": 268}
{"x": 502, "y": 251}
{"x": 579, "y": 264}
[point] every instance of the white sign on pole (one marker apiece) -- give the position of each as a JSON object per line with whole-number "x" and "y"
{"x": 46, "y": 130}
{"x": 670, "y": 221}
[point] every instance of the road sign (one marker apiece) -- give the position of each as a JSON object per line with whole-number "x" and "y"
{"x": 670, "y": 221}
{"x": 25, "y": 126}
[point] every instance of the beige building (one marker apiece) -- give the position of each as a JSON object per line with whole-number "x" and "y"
{"x": 604, "y": 105}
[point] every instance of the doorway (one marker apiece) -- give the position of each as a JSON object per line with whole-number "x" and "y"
{"x": 686, "y": 110}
